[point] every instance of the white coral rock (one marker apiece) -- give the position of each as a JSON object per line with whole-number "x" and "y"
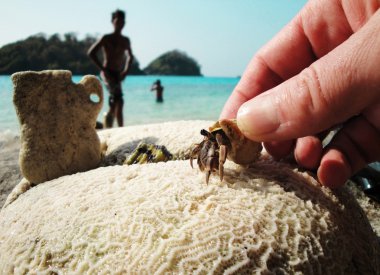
{"x": 162, "y": 218}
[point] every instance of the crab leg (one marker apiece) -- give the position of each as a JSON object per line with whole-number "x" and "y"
{"x": 200, "y": 164}
{"x": 208, "y": 173}
{"x": 209, "y": 161}
{"x": 222, "y": 155}
{"x": 222, "y": 159}
{"x": 193, "y": 153}
{"x": 191, "y": 161}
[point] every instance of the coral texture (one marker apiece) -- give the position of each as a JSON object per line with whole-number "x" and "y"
{"x": 161, "y": 218}
{"x": 57, "y": 119}
{"x": 178, "y": 137}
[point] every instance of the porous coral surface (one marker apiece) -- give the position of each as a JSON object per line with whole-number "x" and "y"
{"x": 162, "y": 218}
{"x": 177, "y": 136}
{"x": 57, "y": 120}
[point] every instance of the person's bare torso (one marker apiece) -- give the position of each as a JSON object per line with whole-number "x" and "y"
{"x": 114, "y": 48}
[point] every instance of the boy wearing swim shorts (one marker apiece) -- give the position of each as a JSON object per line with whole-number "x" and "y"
{"x": 117, "y": 60}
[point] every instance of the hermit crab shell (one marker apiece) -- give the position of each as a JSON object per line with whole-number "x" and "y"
{"x": 241, "y": 150}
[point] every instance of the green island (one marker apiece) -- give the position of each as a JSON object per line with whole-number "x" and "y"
{"x": 42, "y": 52}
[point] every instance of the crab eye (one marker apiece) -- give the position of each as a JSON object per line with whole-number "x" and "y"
{"x": 204, "y": 132}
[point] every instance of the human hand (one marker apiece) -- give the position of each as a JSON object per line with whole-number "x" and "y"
{"x": 321, "y": 70}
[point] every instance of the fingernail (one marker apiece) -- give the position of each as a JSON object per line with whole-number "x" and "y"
{"x": 258, "y": 117}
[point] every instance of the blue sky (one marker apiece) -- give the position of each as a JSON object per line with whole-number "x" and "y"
{"x": 222, "y": 35}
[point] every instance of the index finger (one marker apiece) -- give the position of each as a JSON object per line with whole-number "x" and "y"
{"x": 317, "y": 29}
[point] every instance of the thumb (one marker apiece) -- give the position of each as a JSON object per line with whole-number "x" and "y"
{"x": 336, "y": 87}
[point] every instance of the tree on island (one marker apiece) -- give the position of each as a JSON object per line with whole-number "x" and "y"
{"x": 173, "y": 63}
{"x": 39, "y": 52}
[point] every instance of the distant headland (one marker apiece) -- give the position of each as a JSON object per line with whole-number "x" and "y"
{"x": 42, "y": 52}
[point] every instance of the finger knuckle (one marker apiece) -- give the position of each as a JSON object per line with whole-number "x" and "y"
{"x": 317, "y": 100}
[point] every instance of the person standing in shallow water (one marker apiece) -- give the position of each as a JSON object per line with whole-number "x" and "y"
{"x": 159, "y": 90}
{"x": 117, "y": 60}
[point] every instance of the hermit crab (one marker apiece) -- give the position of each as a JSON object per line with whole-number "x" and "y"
{"x": 148, "y": 153}
{"x": 223, "y": 140}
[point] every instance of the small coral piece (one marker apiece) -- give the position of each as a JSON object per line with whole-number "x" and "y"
{"x": 57, "y": 119}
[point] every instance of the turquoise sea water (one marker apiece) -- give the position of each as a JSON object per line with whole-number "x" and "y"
{"x": 184, "y": 98}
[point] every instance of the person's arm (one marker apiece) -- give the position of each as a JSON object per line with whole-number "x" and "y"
{"x": 154, "y": 87}
{"x": 129, "y": 60}
{"x": 321, "y": 70}
{"x": 92, "y": 53}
